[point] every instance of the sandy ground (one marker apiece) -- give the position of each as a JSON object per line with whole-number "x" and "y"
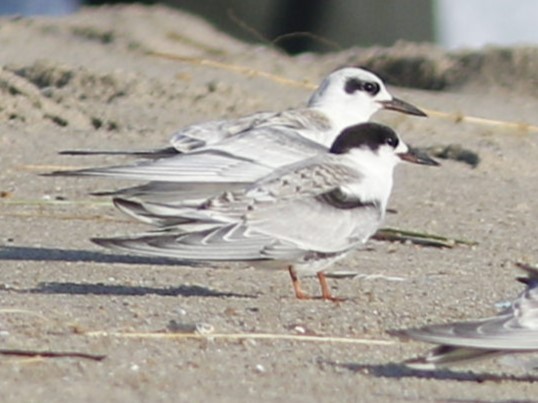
{"x": 87, "y": 82}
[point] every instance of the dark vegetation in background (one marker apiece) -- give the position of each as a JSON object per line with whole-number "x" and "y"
{"x": 101, "y": 2}
{"x": 297, "y": 16}
{"x": 408, "y": 64}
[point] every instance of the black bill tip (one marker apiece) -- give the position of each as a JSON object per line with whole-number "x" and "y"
{"x": 396, "y": 104}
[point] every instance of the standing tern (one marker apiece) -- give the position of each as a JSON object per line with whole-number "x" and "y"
{"x": 304, "y": 216}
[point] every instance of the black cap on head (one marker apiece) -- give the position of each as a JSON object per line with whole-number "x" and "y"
{"x": 365, "y": 135}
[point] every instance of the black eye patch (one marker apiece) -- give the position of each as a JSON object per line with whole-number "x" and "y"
{"x": 353, "y": 84}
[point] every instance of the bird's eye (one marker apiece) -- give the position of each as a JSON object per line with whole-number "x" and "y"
{"x": 392, "y": 141}
{"x": 371, "y": 88}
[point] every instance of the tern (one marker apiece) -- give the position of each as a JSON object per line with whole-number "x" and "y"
{"x": 303, "y": 216}
{"x": 515, "y": 330}
{"x": 345, "y": 97}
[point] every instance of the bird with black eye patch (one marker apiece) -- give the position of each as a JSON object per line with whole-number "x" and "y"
{"x": 345, "y": 97}
{"x": 358, "y": 85}
{"x": 220, "y": 155}
{"x": 304, "y": 216}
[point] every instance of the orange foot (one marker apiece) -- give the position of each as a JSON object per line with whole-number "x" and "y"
{"x": 326, "y": 290}
{"x": 299, "y": 293}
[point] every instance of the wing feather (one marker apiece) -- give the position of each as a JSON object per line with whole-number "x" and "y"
{"x": 226, "y": 243}
{"x": 514, "y": 329}
{"x": 243, "y": 158}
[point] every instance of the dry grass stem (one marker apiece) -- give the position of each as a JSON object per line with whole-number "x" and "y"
{"x": 419, "y": 238}
{"x": 52, "y": 202}
{"x": 66, "y": 217}
{"x": 42, "y": 169}
{"x": 37, "y": 354}
{"x": 241, "y": 336}
{"x": 247, "y": 71}
{"x": 250, "y": 72}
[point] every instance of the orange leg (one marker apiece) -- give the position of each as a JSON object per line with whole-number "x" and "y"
{"x": 326, "y": 290}
{"x": 299, "y": 293}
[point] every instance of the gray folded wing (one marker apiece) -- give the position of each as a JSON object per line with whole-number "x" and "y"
{"x": 234, "y": 242}
{"x": 243, "y": 158}
{"x": 515, "y": 329}
{"x": 198, "y": 136}
{"x": 189, "y": 138}
{"x": 277, "y": 237}
{"x": 208, "y": 133}
{"x": 281, "y": 217}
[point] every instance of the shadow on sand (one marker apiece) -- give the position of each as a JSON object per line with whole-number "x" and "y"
{"x": 122, "y": 290}
{"x": 400, "y": 371}
{"x": 71, "y": 255}
{"x": 68, "y": 255}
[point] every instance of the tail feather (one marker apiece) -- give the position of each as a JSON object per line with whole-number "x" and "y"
{"x": 137, "y": 211}
{"x": 443, "y": 356}
{"x": 226, "y": 243}
{"x": 151, "y": 154}
{"x": 164, "y": 215}
{"x": 172, "y": 193}
{"x": 208, "y": 167}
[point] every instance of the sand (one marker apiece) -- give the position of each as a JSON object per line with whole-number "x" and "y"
{"x": 87, "y": 81}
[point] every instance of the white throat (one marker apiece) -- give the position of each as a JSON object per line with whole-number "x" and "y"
{"x": 377, "y": 170}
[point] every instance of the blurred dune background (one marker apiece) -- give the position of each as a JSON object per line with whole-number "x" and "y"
{"x": 327, "y": 25}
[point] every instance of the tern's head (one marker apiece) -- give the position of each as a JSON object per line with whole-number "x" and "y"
{"x": 354, "y": 94}
{"x": 378, "y": 143}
